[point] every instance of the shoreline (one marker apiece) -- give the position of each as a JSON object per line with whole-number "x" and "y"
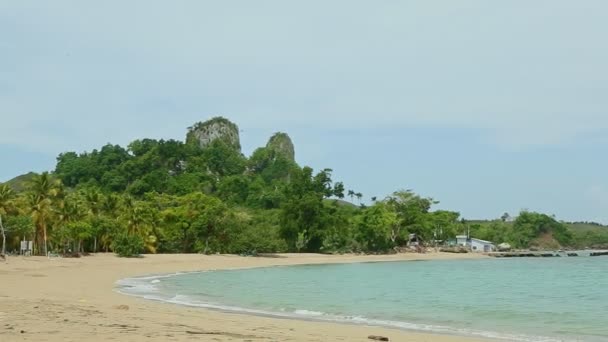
{"x": 71, "y": 299}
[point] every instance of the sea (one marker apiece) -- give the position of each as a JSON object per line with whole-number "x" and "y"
{"x": 512, "y": 299}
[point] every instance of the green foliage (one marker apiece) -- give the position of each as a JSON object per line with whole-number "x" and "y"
{"x": 271, "y": 165}
{"x": 531, "y": 229}
{"x": 259, "y": 238}
{"x": 375, "y": 227}
{"x": 128, "y": 245}
{"x": 194, "y": 223}
{"x": 174, "y": 197}
{"x": 529, "y": 226}
{"x": 412, "y": 213}
{"x": 301, "y": 240}
{"x": 223, "y": 160}
{"x": 20, "y": 183}
{"x": 304, "y": 217}
{"x": 280, "y": 144}
{"x": 18, "y": 227}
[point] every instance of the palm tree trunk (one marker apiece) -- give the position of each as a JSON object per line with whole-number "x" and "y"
{"x": 3, "y": 238}
{"x": 45, "y": 245}
{"x": 37, "y": 249}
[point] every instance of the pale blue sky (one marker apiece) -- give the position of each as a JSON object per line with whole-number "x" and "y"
{"x": 487, "y": 106}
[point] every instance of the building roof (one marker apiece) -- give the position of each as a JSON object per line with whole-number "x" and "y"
{"x": 478, "y": 240}
{"x": 483, "y": 241}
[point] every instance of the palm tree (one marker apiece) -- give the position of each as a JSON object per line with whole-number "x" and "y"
{"x": 351, "y": 194}
{"x": 69, "y": 210}
{"x": 110, "y": 205}
{"x": 6, "y": 197}
{"x": 45, "y": 186}
{"x": 3, "y": 252}
{"x": 42, "y": 190}
{"x": 359, "y": 196}
{"x": 40, "y": 210}
{"x": 94, "y": 201}
{"x": 137, "y": 221}
{"x": 109, "y": 213}
{"x": 140, "y": 220}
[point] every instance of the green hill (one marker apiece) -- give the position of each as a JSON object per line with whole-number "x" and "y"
{"x": 205, "y": 196}
{"x": 583, "y": 234}
{"x": 19, "y": 183}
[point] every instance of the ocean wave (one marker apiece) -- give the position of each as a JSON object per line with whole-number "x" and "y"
{"x": 145, "y": 287}
{"x": 421, "y": 327}
{"x": 145, "y": 284}
{"x": 309, "y": 313}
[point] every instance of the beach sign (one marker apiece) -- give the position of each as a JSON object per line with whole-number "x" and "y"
{"x": 27, "y": 247}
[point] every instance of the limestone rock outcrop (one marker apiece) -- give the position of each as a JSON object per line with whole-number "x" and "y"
{"x": 204, "y": 133}
{"x": 281, "y": 143}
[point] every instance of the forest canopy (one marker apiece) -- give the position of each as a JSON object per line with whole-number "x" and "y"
{"x": 205, "y": 196}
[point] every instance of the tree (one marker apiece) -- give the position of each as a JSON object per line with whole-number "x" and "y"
{"x": 70, "y": 214}
{"x": 359, "y": 196}
{"x": 6, "y": 197}
{"x": 411, "y": 210}
{"x": 196, "y": 222}
{"x": 351, "y": 194}
{"x": 94, "y": 201}
{"x": 375, "y": 228}
{"x": 339, "y": 190}
{"x": 40, "y": 210}
{"x": 443, "y": 224}
{"x": 128, "y": 245}
{"x": 3, "y": 252}
{"x": 530, "y": 225}
{"x": 222, "y": 159}
{"x": 304, "y": 217}
{"x": 41, "y": 190}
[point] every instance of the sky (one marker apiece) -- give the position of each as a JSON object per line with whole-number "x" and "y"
{"x": 487, "y": 106}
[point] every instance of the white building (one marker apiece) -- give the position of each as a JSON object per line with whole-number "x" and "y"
{"x": 476, "y": 245}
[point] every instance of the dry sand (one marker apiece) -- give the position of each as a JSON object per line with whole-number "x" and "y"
{"x": 74, "y": 300}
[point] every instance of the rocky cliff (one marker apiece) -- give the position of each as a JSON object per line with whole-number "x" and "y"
{"x": 281, "y": 143}
{"x": 203, "y": 133}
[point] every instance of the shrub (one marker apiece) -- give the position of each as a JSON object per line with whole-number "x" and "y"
{"x": 259, "y": 239}
{"x": 128, "y": 246}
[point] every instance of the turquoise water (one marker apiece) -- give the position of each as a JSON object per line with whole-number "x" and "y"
{"x": 523, "y": 299}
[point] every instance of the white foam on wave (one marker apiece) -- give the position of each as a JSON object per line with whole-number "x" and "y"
{"x": 134, "y": 286}
{"x": 316, "y": 315}
{"x": 144, "y": 284}
{"x": 146, "y": 287}
{"x": 309, "y": 313}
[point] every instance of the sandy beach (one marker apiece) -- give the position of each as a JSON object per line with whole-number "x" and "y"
{"x": 65, "y": 299}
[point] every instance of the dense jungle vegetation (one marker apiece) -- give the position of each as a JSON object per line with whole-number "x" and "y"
{"x": 169, "y": 196}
